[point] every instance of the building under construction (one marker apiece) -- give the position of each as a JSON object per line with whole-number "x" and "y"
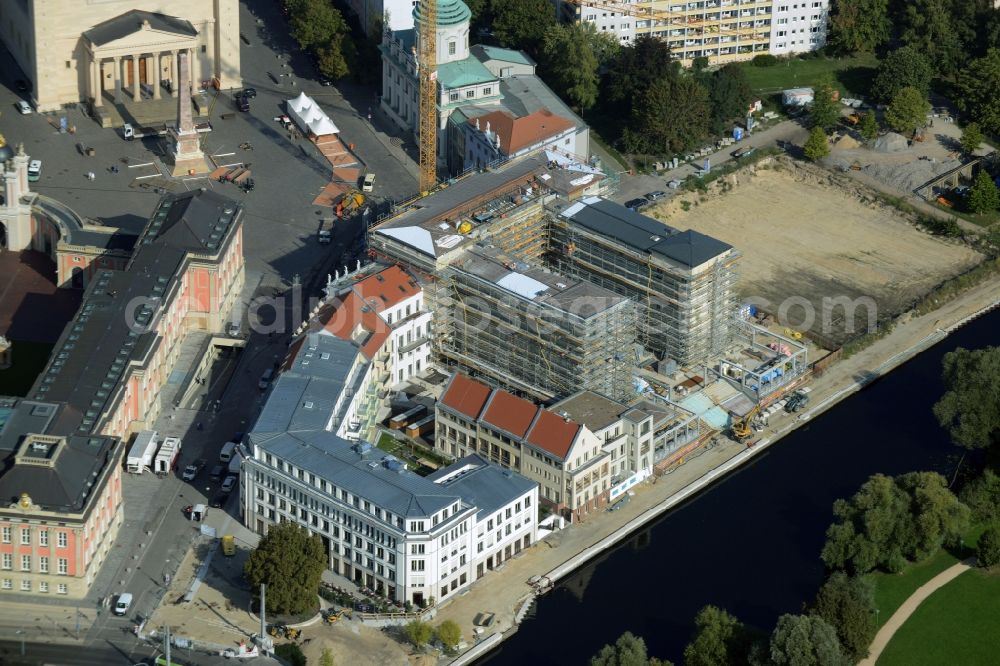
{"x": 683, "y": 282}
{"x": 543, "y": 287}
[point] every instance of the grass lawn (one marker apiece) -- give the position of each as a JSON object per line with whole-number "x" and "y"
{"x": 29, "y": 361}
{"x": 984, "y": 220}
{"x": 891, "y": 590}
{"x": 955, "y": 625}
{"x": 851, "y": 75}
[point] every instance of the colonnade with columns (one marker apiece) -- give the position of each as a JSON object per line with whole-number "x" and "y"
{"x": 110, "y": 73}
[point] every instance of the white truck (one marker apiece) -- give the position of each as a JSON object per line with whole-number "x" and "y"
{"x": 140, "y": 456}
{"x": 166, "y": 459}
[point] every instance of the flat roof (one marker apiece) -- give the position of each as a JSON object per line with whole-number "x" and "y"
{"x": 591, "y": 409}
{"x": 482, "y": 484}
{"x": 644, "y": 234}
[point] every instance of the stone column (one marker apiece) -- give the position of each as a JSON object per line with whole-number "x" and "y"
{"x": 193, "y": 71}
{"x": 156, "y": 77}
{"x": 135, "y": 79}
{"x": 173, "y": 73}
{"x": 118, "y": 77}
{"x": 96, "y": 79}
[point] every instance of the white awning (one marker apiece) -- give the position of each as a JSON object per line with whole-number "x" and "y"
{"x": 310, "y": 118}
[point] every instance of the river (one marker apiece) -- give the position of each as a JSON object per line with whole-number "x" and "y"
{"x": 751, "y": 542}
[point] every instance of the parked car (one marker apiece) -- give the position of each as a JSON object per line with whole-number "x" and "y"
{"x": 961, "y": 191}
{"x": 636, "y": 204}
{"x": 233, "y": 329}
{"x": 191, "y": 471}
{"x": 23, "y": 107}
{"x": 242, "y": 103}
{"x": 745, "y": 151}
{"x": 655, "y": 196}
{"x": 217, "y": 472}
{"x": 228, "y": 484}
{"x": 249, "y": 93}
{"x": 123, "y": 603}
{"x": 674, "y": 184}
{"x": 369, "y": 183}
{"x": 34, "y": 171}
{"x": 128, "y": 132}
{"x": 265, "y": 379}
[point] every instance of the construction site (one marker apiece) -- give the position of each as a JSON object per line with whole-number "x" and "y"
{"x": 823, "y": 254}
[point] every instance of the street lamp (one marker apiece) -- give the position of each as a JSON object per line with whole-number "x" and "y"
{"x": 20, "y": 632}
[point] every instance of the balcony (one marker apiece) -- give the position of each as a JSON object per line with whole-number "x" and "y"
{"x": 410, "y": 346}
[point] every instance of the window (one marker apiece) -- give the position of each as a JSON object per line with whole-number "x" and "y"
{"x": 61, "y": 539}
{"x": 417, "y": 549}
{"x": 454, "y": 98}
{"x": 451, "y": 48}
{"x": 43, "y": 564}
{"x": 416, "y": 565}
{"x": 8, "y": 561}
{"x": 6, "y": 534}
{"x": 26, "y": 563}
{"x": 63, "y": 566}
{"x": 26, "y": 586}
{"x": 470, "y": 94}
{"x": 8, "y": 584}
{"x": 25, "y": 536}
{"x": 69, "y": 64}
{"x": 43, "y": 586}
{"x": 43, "y": 537}
{"x": 61, "y": 588}
{"x": 487, "y": 91}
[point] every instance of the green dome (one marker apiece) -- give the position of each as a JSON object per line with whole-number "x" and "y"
{"x": 450, "y": 12}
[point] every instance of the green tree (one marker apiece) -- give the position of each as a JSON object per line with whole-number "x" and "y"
{"x": 847, "y": 603}
{"x": 419, "y": 633}
{"x": 984, "y": 197}
{"x": 291, "y": 653}
{"x": 817, "y": 146}
{"x": 907, "y": 111}
{"x": 290, "y": 562}
{"x": 720, "y": 640}
{"x": 638, "y": 66}
{"x": 824, "y": 112}
{"x": 628, "y": 650}
{"x": 672, "y": 115}
{"x": 976, "y": 91}
{"x": 319, "y": 27}
{"x": 937, "y": 517}
{"x": 805, "y": 640}
{"x": 730, "y": 94}
{"x": 859, "y": 25}
{"x": 982, "y": 496}
{"x": 972, "y": 138}
{"x": 521, "y": 24}
{"x": 869, "y": 126}
{"x": 969, "y": 408}
{"x": 988, "y": 546}
{"x": 326, "y": 659}
{"x": 571, "y": 63}
{"x": 929, "y": 26}
{"x": 449, "y": 634}
{"x": 902, "y": 68}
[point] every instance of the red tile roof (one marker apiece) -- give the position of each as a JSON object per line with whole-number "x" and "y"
{"x": 465, "y": 396}
{"x": 342, "y": 318}
{"x": 553, "y": 433}
{"x": 519, "y": 133}
{"x": 387, "y": 288}
{"x": 510, "y": 413}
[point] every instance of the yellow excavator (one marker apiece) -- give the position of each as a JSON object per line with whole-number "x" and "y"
{"x": 743, "y": 428}
{"x": 350, "y": 203}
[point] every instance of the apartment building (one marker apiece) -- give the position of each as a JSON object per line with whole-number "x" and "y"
{"x": 720, "y": 30}
{"x": 583, "y": 451}
{"x": 411, "y": 538}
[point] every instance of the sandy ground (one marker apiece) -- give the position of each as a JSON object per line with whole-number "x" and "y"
{"x": 808, "y": 234}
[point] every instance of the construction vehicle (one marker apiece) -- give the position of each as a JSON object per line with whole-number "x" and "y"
{"x": 853, "y": 119}
{"x": 283, "y": 631}
{"x": 794, "y": 335}
{"x": 796, "y": 401}
{"x": 944, "y": 201}
{"x": 743, "y": 428}
{"x": 349, "y": 204}
{"x": 332, "y": 617}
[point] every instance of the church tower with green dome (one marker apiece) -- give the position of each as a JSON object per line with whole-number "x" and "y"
{"x": 453, "y": 19}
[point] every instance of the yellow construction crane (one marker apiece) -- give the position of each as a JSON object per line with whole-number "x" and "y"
{"x": 427, "y": 64}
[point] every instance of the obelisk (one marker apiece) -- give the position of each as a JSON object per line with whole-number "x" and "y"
{"x": 187, "y": 154}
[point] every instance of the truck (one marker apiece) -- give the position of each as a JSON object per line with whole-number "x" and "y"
{"x": 130, "y": 132}
{"x": 236, "y": 463}
{"x": 325, "y": 233}
{"x": 227, "y": 452}
{"x": 166, "y": 459}
{"x": 140, "y": 456}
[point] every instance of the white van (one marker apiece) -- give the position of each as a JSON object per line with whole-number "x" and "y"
{"x": 123, "y": 604}
{"x": 128, "y": 132}
{"x": 227, "y": 451}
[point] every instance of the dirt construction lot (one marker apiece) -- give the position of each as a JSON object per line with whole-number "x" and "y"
{"x": 808, "y": 234}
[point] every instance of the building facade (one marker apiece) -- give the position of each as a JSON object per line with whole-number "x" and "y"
{"x": 93, "y": 51}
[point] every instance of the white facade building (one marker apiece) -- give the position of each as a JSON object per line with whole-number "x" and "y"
{"x": 799, "y": 26}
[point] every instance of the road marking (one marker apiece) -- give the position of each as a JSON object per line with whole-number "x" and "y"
{"x": 144, "y": 164}
{"x": 151, "y": 175}
{"x": 223, "y": 154}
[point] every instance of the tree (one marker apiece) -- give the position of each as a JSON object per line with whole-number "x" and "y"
{"x": 817, "y": 146}
{"x": 419, "y": 633}
{"x": 902, "y": 68}
{"x": 647, "y": 60}
{"x": 291, "y": 653}
{"x": 975, "y": 91}
{"x": 521, "y": 24}
{"x": 319, "y": 27}
{"x": 984, "y": 197}
{"x": 972, "y": 138}
{"x": 628, "y": 650}
{"x": 449, "y": 634}
{"x": 982, "y": 496}
{"x": 824, "y": 111}
{"x": 969, "y": 408}
{"x": 988, "y": 546}
{"x": 672, "y": 115}
{"x": 290, "y": 562}
{"x": 805, "y": 640}
{"x": 326, "y": 659}
{"x": 847, "y": 603}
{"x": 869, "y": 126}
{"x": 937, "y": 517}
{"x": 929, "y": 27}
{"x": 720, "y": 640}
{"x": 859, "y": 25}
{"x": 729, "y": 94}
{"x": 571, "y": 67}
{"x": 908, "y": 110}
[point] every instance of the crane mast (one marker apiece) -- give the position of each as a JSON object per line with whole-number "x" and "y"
{"x": 427, "y": 64}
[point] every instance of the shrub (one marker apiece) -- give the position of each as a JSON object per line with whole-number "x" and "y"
{"x": 988, "y": 546}
{"x": 765, "y": 60}
{"x": 291, "y": 653}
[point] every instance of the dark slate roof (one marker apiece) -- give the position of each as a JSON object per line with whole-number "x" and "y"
{"x": 131, "y": 22}
{"x": 689, "y": 248}
{"x": 482, "y": 484}
{"x": 76, "y": 467}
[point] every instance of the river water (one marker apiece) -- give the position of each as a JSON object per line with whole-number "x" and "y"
{"x": 750, "y": 543}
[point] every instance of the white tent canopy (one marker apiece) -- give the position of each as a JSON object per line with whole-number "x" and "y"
{"x": 310, "y": 118}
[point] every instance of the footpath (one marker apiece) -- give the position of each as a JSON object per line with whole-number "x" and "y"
{"x": 904, "y": 612}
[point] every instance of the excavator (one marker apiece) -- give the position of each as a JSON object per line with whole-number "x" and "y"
{"x": 349, "y": 204}
{"x": 743, "y": 428}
